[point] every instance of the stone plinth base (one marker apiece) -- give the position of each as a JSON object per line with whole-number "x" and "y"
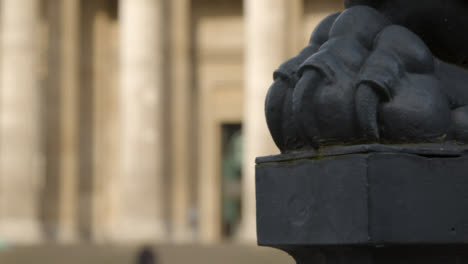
{"x": 376, "y": 207}
{"x": 379, "y": 255}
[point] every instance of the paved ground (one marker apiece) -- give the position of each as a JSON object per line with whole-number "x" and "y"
{"x": 166, "y": 254}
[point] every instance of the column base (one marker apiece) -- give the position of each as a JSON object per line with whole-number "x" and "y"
{"x": 137, "y": 231}
{"x": 183, "y": 235}
{"x": 18, "y": 231}
{"x": 67, "y": 235}
{"x": 247, "y": 234}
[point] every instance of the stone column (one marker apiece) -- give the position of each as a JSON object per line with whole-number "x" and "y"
{"x": 21, "y": 152}
{"x": 69, "y": 120}
{"x": 180, "y": 109}
{"x": 140, "y": 216}
{"x": 266, "y": 48}
{"x": 61, "y": 88}
{"x": 295, "y": 27}
{"x": 105, "y": 119}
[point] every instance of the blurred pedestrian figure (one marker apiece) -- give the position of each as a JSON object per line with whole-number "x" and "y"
{"x": 146, "y": 256}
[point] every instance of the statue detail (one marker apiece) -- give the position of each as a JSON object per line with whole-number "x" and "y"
{"x": 374, "y": 74}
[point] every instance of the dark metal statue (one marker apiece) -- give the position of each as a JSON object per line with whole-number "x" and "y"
{"x": 382, "y": 71}
{"x": 385, "y": 82}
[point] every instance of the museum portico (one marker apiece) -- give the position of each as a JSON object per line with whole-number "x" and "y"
{"x": 119, "y": 119}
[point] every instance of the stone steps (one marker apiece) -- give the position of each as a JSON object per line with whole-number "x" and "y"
{"x": 166, "y": 254}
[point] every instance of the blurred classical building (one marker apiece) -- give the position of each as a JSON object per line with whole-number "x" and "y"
{"x": 128, "y": 121}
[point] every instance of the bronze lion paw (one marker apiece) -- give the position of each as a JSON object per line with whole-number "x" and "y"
{"x": 363, "y": 79}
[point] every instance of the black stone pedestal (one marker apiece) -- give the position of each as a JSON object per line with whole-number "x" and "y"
{"x": 369, "y": 207}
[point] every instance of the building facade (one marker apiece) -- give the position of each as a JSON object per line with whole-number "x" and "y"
{"x": 128, "y": 121}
